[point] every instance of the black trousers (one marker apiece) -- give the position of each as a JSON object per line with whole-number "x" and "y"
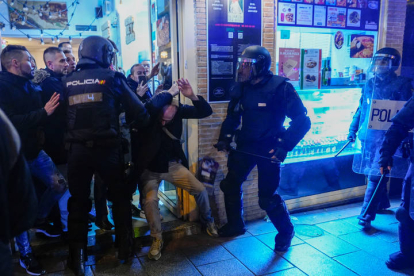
{"x": 82, "y": 164}
{"x": 239, "y": 166}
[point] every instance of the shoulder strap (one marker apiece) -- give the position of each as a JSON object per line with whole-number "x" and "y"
{"x": 172, "y": 135}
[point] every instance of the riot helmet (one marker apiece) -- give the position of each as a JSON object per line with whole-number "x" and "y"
{"x": 97, "y": 49}
{"x": 254, "y": 62}
{"x": 385, "y": 61}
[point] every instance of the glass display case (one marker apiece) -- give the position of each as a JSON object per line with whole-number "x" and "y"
{"x": 331, "y": 112}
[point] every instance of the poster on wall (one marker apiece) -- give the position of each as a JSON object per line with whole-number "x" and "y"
{"x": 289, "y": 64}
{"x": 233, "y": 25}
{"x": 129, "y": 28}
{"x": 47, "y": 19}
{"x": 362, "y": 46}
{"x": 304, "y": 14}
{"x": 311, "y": 68}
{"x": 336, "y": 17}
{"x": 319, "y": 16}
{"x": 163, "y": 30}
{"x": 349, "y": 14}
{"x": 286, "y": 13}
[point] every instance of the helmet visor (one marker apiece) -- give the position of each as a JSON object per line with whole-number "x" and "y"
{"x": 246, "y": 69}
{"x": 381, "y": 64}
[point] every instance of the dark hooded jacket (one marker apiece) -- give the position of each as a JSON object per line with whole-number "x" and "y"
{"x": 55, "y": 127}
{"x": 133, "y": 85}
{"x": 21, "y": 100}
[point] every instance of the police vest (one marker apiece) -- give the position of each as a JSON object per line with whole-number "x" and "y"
{"x": 93, "y": 105}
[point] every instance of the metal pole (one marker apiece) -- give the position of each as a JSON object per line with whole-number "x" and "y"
{"x": 342, "y": 149}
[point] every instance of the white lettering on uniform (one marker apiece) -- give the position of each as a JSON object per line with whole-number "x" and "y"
{"x": 87, "y": 81}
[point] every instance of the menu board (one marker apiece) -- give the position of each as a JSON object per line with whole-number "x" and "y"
{"x": 233, "y": 25}
{"x": 347, "y": 14}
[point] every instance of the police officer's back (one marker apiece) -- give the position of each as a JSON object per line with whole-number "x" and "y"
{"x": 94, "y": 95}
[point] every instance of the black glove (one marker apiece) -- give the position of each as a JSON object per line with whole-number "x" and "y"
{"x": 280, "y": 154}
{"x": 385, "y": 160}
{"x": 222, "y": 146}
{"x": 351, "y": 136}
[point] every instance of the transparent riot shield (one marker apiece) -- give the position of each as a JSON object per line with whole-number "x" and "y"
{"x": 382, "y": 99}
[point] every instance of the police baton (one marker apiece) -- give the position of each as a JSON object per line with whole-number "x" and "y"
{"x": 255, "y": 155}
{"x": 342, "y": 149}
{"x": 382, "y": 179}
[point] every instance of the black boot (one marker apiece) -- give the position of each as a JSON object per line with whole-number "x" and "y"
{"x": 280, "y": 218}
{"x": 123, "y": 229}
{"x": 77, "y": 257}
{"x": 235, "y": 224}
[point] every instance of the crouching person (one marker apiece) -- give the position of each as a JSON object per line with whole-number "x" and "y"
{"x": 162, "y": 155}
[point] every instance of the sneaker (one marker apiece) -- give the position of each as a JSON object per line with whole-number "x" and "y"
{"x": 155, "y": 250}
{"x": 47, "y": 230}
{"x": 398, "y": 261}
{"x": 366, "y": 224}
{"x": 211, "y": 229}
{"x": 31, "y": 265}
{"x": 136, "y": 212}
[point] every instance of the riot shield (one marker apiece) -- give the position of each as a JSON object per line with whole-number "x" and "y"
{"x": 382, "y": 99}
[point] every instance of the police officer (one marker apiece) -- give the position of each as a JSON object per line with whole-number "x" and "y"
{"x": 385, "y": 85}
{"x": 401, "y": 124}
{"x": 261, "y": 101}
{"x": 93, "y": 95}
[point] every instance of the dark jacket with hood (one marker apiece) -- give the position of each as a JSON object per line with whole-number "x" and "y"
{"x": 55, "y": 127}
{"x": 20, "y": 99}
{"x": 155, "y": 147}
{"x": 18, "y": 202}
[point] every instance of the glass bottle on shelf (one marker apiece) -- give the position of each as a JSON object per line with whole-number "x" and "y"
{"x": 328, "y": 74}
{"x": 324, "y": 69}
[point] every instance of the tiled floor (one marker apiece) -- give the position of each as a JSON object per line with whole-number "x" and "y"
{"x": 328, "y": 242}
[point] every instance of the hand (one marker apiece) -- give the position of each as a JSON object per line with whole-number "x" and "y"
{"x": 222, "y": 146}
{"x": 385, "y": 171}
{"x": 174, "y": 90}
{"x": 351, "y": 136}
{"x": 279, "y": 154}
{"x": 159, "y": 89}
{"x": 186, "y": 89}
{"x": 52, "y": 104}
{"x": 142, "y": 89}
{"x": 155, "y": 70}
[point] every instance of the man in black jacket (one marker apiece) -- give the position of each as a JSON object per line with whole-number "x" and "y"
{"x": 50, "y": 80}
{"x": 162, "y": 158}
{"x": 20, "y": 100}
{"x": 18, "y": 204}
{"x": 260, "y": 102}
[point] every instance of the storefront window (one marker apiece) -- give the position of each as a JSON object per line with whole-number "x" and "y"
{"x": 325, "y": 49}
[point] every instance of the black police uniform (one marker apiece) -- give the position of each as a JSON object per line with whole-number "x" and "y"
{"x": 94, "y": 96}
{"x": 262, "y": 107}
{"x": 389, "y": 87}
{"x": 402, "y": 123}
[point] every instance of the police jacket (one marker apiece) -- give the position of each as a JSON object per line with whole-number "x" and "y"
{"x": 93, "y": 97}
{"x": 156, "y": 147}
{"x": 391, "y": 87}
{"x": 54, "y": 129}
{"x": 262, "y": 108}
{"x": 402, "y": 123}
{"x": 133, "y": 85}
{"x": 20, "y": 100}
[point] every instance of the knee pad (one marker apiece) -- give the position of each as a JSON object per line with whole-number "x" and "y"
{"x": 270, "y": 203}
{"x": 402, "y": 215}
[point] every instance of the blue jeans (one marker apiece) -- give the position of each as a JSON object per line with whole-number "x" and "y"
{"x": 23, "y": 243}
{"x": 43, "y": 168}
